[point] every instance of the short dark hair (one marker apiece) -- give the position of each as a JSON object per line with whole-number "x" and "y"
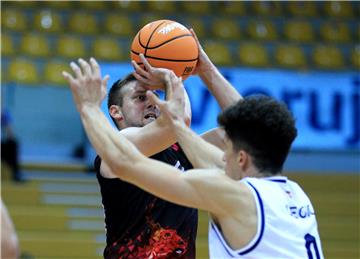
{"x": 263, "y": 127}
{"x": 115, "y": 96}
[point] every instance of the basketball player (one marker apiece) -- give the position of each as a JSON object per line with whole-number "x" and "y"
{"x": 134, "y": 218}
{"x": 255, "y": 212}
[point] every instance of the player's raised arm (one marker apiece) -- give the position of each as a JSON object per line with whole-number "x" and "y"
{"x": 201, "y": 153}
{"x": 220, "y": 88}
{"x": 224, "y": 92}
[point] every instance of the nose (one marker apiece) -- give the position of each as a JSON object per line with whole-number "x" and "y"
{"x": 224, "y": 158}
{"x": 150, "y": 105}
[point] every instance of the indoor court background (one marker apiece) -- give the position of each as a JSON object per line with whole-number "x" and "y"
{"x": 57, "y": 212}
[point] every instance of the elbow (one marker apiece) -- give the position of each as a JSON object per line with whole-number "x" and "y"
{"x": 124, "y": 169}
{"x": 120, "y": 170}
{"x": 118, "y": 162}
{"x": 187, "y": 121}
{"x": 188, "y": 117}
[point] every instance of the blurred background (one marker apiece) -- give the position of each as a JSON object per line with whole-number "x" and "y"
{"x": 306, "y": 54}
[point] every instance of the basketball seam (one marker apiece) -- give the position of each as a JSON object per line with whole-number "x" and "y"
{"x": 152, "y": 35}
{"x": 140, "y": 41}
{"x": 165, "y": 42}
{"x": 165, "y": 59}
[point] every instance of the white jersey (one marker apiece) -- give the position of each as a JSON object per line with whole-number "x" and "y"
{"x": 287, "y": 226}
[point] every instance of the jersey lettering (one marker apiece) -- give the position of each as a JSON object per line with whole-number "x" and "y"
{"x": 300, "y": 212}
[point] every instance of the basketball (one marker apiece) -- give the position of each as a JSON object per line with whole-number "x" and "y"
{"x": 166, "y": 44}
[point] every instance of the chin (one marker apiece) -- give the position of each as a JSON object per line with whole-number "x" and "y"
{"x": 148, "y": 121}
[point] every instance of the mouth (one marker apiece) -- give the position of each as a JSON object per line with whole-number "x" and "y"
{"x": 151, "y": 115}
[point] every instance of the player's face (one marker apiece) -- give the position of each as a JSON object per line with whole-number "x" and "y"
{"x": 137, "y": 110}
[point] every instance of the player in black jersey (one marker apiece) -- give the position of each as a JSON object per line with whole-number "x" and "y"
{"x": 138, "y": 224}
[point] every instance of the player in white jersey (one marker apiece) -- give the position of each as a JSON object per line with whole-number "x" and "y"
{"x": 287, "y": 226}
{"x": 255, "y": 212}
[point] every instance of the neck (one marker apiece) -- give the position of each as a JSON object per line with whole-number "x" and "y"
{"x": 253, "y": 172}
{"x": 265, "y": 174}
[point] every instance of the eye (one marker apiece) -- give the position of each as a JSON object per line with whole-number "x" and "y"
{"x": 141, "y": 97}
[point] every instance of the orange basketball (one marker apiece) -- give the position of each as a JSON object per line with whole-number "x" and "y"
{"x": 166, "y": 44}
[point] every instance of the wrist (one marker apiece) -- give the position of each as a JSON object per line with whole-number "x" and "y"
{"x": 178, "y": 123}
{"x": 88, "y": 107}
{"x": 206, "y": 69}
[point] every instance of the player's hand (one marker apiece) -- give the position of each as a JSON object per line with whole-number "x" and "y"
{"x": 87, "y": 86}
{"x": 204, "y": 63}
{"x": 152, "y": 77}
{"x": 173, "y": 108}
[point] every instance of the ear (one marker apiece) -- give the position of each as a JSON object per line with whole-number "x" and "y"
{"x": 243, "y": 159}
{"x": 116, "y": 113}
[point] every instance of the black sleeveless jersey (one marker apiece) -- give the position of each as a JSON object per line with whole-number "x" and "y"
{"x": 140, "y": 225}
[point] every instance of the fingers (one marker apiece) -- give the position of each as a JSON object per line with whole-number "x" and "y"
{"x": 105, "y": 79}
{"x": 92, "y": 69}
{"x": 175, "y": 89}
{"x": 86, "y": 69}
{"x": 169, "y": 84}
{"x": 141, "y": 79}
{"x": 68, "y": 76}
{"x": 154, "y": 99}
{"x": 104, "y": 82}
{"x": 174, "y": 80}
{"x": 139, "y": 70}
{"x": 145, "y": 62}
{"x": 95, "y": 67}
{"x": 170, "y": 73}
{"x": 76, "y": 70}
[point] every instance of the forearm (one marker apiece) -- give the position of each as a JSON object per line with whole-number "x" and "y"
{"x": 110, "y": 146}
{"x": 188, "y": 113}
{"x": 200, "y": 153}
{"x": 152, "y": 138}
{"x": 220, "y": 88}
{"x": 158, "y": 135}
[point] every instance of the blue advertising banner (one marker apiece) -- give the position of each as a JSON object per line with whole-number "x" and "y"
{"x": 326, "y": 105}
